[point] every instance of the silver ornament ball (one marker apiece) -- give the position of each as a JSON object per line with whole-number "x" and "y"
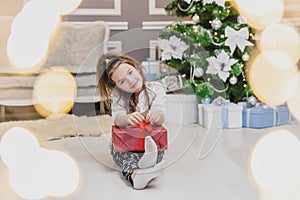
{"x": 233, "y": 80}
{"x": 241, "y": 20}
{"x": 196, "y": 18}
{"x": 216, "y": 24}
{"x": 245, "y": 57}
{"x": 252, "y": 100}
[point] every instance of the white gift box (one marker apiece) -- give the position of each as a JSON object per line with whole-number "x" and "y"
{"x": 181, "y": 109}
{"x": 220, "y": 116}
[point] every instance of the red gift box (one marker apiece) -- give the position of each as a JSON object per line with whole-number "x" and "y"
{"x": 131, "y": 138}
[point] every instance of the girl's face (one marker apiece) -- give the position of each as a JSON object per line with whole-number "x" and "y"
{"x": 127, "y": 78}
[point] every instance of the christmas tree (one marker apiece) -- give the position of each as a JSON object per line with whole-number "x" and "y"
{"x": 209, "y": 44}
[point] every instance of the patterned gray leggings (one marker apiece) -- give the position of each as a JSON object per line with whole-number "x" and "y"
{"x": 128, "y": 161}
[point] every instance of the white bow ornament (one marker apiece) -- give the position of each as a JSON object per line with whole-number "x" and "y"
{"x": 237, "y": 38}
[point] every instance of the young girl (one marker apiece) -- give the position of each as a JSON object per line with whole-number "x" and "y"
{"x": 121, "y": 79}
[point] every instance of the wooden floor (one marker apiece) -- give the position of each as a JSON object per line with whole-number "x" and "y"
{"x": 194, "y": 170}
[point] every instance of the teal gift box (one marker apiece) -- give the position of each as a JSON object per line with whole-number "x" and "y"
{"x": 215, "y": 116}
{"x": 264, "y": 116}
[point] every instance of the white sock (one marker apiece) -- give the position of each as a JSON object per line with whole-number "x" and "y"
{"x": 149, "y": 158}
{"x": 143, "y": 176}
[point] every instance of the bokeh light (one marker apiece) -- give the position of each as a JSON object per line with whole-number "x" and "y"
{"x": 32, "y": 31}
{"x": 54, "y": 92}
{"x": 294, "y": 102}
{"x": 282, "y": 37}
{"x": 272, "y": 77}
{"x": 66, "y": 6}
{"x": 61, "y": 173}
{"x": 259, "y": 14}
{"x": 16, "y": 143}
{"x": 17, "y": 48}
{"x": 5, "y": 24}
{"x": 275, "y": 160}
{"x": 31, "y": 24}
{"x": 35, "y": 172}
{"x": 27, "y": 181}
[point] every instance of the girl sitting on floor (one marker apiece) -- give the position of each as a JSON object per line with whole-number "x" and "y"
{"x": 133, "y": 99}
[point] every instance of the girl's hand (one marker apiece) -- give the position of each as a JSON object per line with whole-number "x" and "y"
{"x": 135, "y": 118}
{"x": 154, "y": 117}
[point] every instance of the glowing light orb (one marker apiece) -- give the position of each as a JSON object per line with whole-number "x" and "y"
{"x": 293, "y": 102}
{"x": 61, "y": 173}
{"x": 272, "y": 77}
{"x": 52, "y": 173}
{"x": 5, "y": 24}
{"x": 32, "y": 30}
{"x": 260, "y": 14}
{"x": 275, "y": 160}
{"x": 11, "y": 8}
{"x": 27, "y": 181}
{"x": 17, "y": 147}
{"x": 66, "y": 6}
{"x": 25, "y": 54}
{"x": 34, "y": 172}
{"x": 54, "y": 92}
{"x": 281, "y": 37}
{"x": 35, "y": 24}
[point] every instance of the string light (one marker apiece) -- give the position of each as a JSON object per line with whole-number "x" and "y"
{"x": 188, "y": 8}
{"x": 195, "y": 29}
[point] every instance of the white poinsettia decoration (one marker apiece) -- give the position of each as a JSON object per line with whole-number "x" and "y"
{"x": 218, "y": 2}
{"x": 220, "y": 65}
{"x": 174, "y": 47}
{"x": 237, "y": 38}
{"x": 190, "y": 1}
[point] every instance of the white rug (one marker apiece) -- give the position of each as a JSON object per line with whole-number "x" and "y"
{"x": 68, "y": 126}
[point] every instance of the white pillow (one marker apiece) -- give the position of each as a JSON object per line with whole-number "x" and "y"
{"x": 77, "y": 47}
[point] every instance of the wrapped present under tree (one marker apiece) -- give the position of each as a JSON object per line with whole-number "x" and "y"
{"x": 263, "y": 116}
{"x": 220, "y": 114}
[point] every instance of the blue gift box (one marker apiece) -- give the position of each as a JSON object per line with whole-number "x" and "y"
{"x": 264, "y": 116}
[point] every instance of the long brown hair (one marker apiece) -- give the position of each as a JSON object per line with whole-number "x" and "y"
{"x": 107, "y": 64}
